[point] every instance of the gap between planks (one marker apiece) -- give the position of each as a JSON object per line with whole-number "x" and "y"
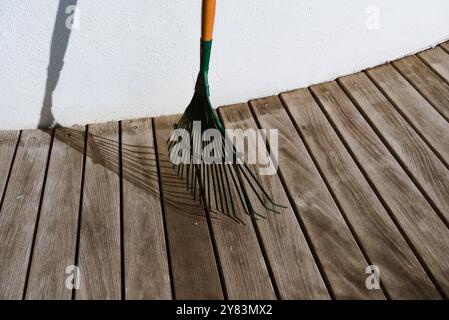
{"x": 345, "y": 118}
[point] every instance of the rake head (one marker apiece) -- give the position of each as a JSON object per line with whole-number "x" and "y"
{"x": 224, "y": 180}
{"x": 221, "y": 180}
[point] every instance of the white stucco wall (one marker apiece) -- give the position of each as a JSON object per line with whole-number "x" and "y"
{"x": 136, "y": 58}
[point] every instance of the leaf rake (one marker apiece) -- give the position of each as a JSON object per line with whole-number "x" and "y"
{"x": 215, "y": 182}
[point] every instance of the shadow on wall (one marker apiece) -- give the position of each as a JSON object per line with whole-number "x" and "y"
{"x": 58, "y": 48}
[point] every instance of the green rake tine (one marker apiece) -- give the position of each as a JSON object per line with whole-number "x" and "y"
{"x": 202, "y": 193}
{"x": 217, "y": 193}
{"x": 227, "y": 180}
{"x": 194, "y": 148}
{"x": 245, "y": 195}
{"x": 225, "y": 194}
{"x": 174, "y": 149}
{"x": 238, "y": 191}
{"x": 214, "y": 180}
{"x": 186, "y": 155}
{"x": 169, "y": 140}
{"x": 257, "y": 181}
{"x": 212, "y": 185}
{"x": 179, "y": 170}
{"x": 193, "y": 178}
{"x": 262, "y": 189}
{"x": 202, "y": 186}
{"x": 226, "y": 213}
{"x": 194, "y": 174}
{"x": 229, "y": 188}
{"x": 207, "y": 187}
{"x": 250, "y": 210}
{"x": 177, "y": 153}
{"x": 234, "y": 216}
{"x": 203, "y": 173}
{"x": 188, "y": 177}
{"x": 208, "y": 183}
{"x": 262, "y": 201}
{"x": 200, "y": 181}
{"x": 221, "y": 209}
{"x": 221, "y": 179}
{"x": 188, "y": 167}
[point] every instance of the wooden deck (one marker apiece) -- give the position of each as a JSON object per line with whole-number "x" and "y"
{"x": 363, "y": 167}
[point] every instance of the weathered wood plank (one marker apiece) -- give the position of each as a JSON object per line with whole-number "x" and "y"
{"x": 445, "y": 46}
{"x": 292, "y": 263}
{"x": 194, "y": 269}
{"x": 435, "y": 90}
{"x": 99, "y": 244}
{"x": 438, "y": 60}
{"x": 55, "y": 246}
{"x": 417, "y": 157}
{"x": 146, "y": 266}
{"x": 425, "y": 119}
{"x": 248, "y": 279}
{"x": 424, "y": 229}
{"x": 8, "y": 143}
{"x": 244, "y": 270}
{"x": 19, "y": 212}
{"x": 401, "y": 273}
{"x": 341, "y": 259}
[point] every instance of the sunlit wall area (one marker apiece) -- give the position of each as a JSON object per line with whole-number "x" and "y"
{"x": 82, "y": 61}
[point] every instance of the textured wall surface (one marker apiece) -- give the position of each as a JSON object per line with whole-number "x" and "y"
{"x": 134, "y": 58}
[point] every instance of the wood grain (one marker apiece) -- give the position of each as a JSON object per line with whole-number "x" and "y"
{"x": 194, "y": 270}
{"x": 434, "y": 89}
{"x": 55, "y": 246}
{"x": 19, "y": 212}
{"x": 294, "y": 269}
{"x": 8, "y": 143}
{"x": 146, "y": 266}
{"x": 445, "y": 46}
{"x": 364, "y": 172}
{"x": 99, "y": 243}
{"x": 402, "y": 275}
{"x": 424, "y": 230}
{"x": 248, "y": 279}
{"x": 420, "y": 114}
{"x": 340, "y": 257}
{"x": 245, "y": 273}
{"x": 244, "y": 270}
{"x": 438, "y": 60}
{"x": 425, "y": 167}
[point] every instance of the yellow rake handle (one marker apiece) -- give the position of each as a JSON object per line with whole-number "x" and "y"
{"x": 208, "y": 19}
